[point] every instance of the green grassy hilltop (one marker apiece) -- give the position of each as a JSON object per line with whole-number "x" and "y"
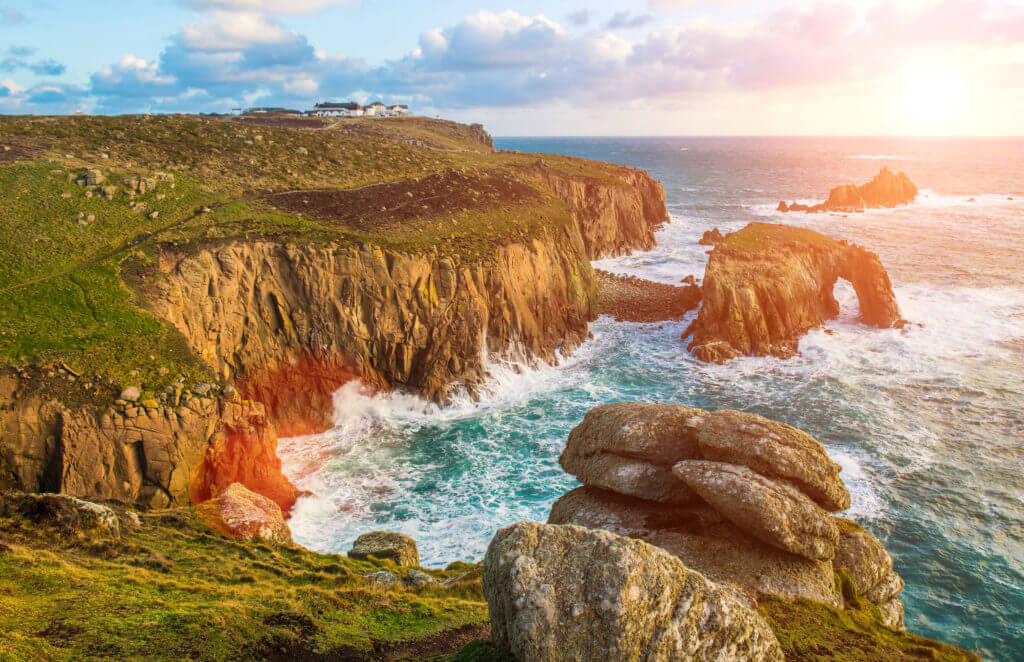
{"x": 85, "y": 202}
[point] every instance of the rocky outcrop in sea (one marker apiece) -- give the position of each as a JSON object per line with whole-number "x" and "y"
{"x": 766, "y": 285}
{"x": 886, "y": 189}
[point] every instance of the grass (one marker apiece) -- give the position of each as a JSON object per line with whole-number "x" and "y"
{"x": 174, "y": 590}
{"x": 814, "y": 632}
{"x": 757, "y": 236}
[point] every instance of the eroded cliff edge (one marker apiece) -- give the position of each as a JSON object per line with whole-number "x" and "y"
{"x": 766, "y": 285}
{"x": 290, "y": 323}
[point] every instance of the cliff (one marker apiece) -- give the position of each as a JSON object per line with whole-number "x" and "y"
{"x": 766, "y": 285}
{"x": 290, "y": 323}
{"x": 886, "y": 189}
{"x": 282, "y": 260}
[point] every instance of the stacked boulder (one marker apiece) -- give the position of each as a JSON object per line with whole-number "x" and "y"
{"x": 742, "y": 499}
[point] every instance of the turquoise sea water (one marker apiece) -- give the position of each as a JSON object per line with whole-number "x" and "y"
{"x": 928, "y": 423}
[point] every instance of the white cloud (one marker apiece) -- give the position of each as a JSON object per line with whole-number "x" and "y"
{"x": 223, "y": 31}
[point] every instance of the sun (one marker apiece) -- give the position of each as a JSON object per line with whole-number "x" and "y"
{"x": 932, "y": 100}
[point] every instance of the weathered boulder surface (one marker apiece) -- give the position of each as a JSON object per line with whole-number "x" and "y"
{"x": 238, "y": 512}
{"x": 766, "y": 285}
{"x": 67, "y": 513}
{"x": 775, "y": 450}
{"x": 772, "y": 511}
{"x": 710, "y": 237}
{"x": 571, "y": 593}
{"x": 704, "y": 541}
{"x": 398, "y": 547}
{"x": 630, "y": 447}
{"x": 749, "y": 510}
{"x": 869, "y": 566}
{"x": 886, "y": 189}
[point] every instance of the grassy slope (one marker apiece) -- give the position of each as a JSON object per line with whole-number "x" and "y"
{"x": 91, "y": 321}
{"x": 175, "y": 590}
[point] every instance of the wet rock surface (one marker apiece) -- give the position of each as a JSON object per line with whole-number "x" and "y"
{"x": 571, "y": 593}
{"x": 886, "y": 189}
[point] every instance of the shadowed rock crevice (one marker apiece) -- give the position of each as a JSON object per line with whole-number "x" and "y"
{"x": 766, "y": 285}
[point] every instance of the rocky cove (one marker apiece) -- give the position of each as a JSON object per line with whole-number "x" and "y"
{"x": 703, "y": 535}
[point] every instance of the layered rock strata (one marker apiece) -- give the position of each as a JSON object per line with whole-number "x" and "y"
{"x": 766, "y": 285}
{"x": 744, "y": 500}
{"x": 886, "y": 189}
{"x": 570, "y": 593}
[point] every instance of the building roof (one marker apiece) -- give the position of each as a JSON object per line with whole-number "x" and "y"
{"x": 397, "y": 105}
{"x": 330, "y": 105}
{"x": 375, "y": 103}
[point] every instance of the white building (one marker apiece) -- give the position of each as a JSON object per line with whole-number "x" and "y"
{"x": 375, "y": 109}
{"x": 330, "y": 109}
{"x": 397, "y": 110}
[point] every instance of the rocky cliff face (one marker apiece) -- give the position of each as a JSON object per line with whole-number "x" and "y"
{"x": 151, "y": 454}
{"x": 290, "y": 324}
{"x": 766, "y": 285}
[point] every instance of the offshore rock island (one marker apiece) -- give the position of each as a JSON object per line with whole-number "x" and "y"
{"x": 178, "y": 292}
{"x": 887, "y": 189}
{"x": 766, "y": 285}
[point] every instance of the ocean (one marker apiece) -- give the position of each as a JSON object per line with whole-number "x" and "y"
{"x": 927, "y": 422}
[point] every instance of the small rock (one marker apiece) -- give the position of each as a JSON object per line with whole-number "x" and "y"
{"x": 239, "y": 512}
{"x": 397, "y": 547}
{"x": 416, "y": 578}
{"x": 385, "y": 577}
{"x": 153, "y": 215}
{"x": 130, "y": 394}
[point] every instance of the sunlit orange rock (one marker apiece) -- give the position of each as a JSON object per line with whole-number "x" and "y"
{"x": 298, "y": 395}
{"x": 767, "y": 284}
{"x": 887, "y": 189}
{"x": 243, "y": 451}
{"x": 241, "y": 513}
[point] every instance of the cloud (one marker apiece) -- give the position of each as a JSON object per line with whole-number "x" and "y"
{"x": 624, "y": 21}
{"x": 580, "y": 17}
{"x": 11, "y": 17}
{"x": 247, "y": 57}
{"x": 16, "y": 58}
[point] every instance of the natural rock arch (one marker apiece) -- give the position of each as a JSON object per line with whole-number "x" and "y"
{"x": 767, "y": 284}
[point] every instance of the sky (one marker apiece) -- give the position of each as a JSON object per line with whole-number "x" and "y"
{"x": 646, "y": 67}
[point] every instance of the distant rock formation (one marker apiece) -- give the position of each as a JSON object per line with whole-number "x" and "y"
{"x": 570, "y": 593}
{"x": 710, "y": 237}
{"x": 887, "y": 189}
{"x": 742, "y": 499}
{"x": 766, "y": 285}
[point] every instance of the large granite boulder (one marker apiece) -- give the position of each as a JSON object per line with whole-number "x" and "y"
{"x": 569, "y": 593}
{"x": 775, "y": 450}
{"x": 772, "y": 511}
{"x": 704, "y": 541}
{"x": 398, "y": 547}
{"x": 238, "y": 512}
{"x": 630, "y": 447}
{"x": 863, "y": 557}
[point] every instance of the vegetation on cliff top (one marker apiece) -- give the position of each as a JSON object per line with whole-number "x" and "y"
{"x": 175, "y": 590}
{"x": 75, "y": 254}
